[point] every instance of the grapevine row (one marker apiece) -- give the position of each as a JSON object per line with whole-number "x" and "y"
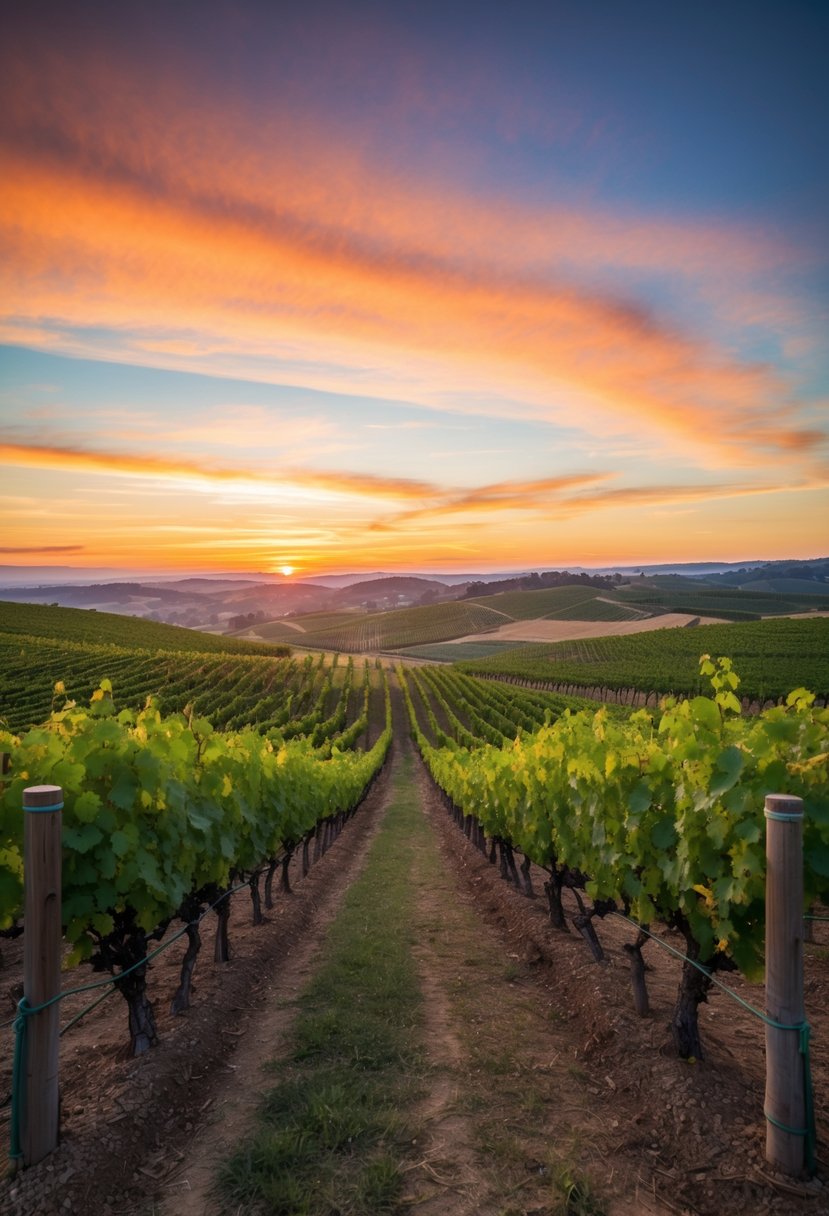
{"x": 659, "y": 814}
{"x": 161, "y": 815}
{"x": 773, "y": 656}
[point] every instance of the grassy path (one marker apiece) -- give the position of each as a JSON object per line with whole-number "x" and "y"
{"x": 416, "y": 1075}
{"x": 333, "y": 1133}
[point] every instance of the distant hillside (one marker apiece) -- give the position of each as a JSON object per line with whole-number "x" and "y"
{"x": 814, "y": 573}
{"x": 394, "y": 591}
{"x": 580, "y": 602}
{"x": 360, "y": 633}
{"x": 193, "y": 603}
{"x": 83, "y": 625}
{"x": 673, "y": 593}
{"x": 232, "y": 604}
{"x": 97, "y": 593}
{"x": 537, "y": 582}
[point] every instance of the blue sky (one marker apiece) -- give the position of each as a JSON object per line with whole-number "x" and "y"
{"x": 426, "y": 285}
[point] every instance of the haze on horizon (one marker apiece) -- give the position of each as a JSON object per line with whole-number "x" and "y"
{"x": 412, "y": 287}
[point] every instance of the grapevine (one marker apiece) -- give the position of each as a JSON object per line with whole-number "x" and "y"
{"x": 660, "y": 814}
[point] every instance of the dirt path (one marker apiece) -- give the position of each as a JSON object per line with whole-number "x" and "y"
{"x": 238, "y": 1092}
{"x": 515, "y": 1121}
{"x": 490, "y": 1136}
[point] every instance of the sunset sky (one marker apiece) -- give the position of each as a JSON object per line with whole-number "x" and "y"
{"x": 374, "y": 286}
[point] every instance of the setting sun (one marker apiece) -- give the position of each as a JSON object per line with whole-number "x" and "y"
{"x": 496, "y": 311}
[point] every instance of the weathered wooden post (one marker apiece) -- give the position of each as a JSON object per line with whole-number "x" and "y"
{"x": 785, "y": 1106}
{"x": 42, "y": 806}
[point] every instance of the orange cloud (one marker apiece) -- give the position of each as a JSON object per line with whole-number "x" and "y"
{"x": 138, "y": 263}
{"x": 502, "y": 496}
{"x": 122, "y": 464}
{"x": 21, "y": 549}
{"x": 167, "y": 223}
{"x": 563, "y": 498}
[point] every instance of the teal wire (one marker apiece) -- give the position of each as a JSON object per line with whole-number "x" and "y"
{"x": 803, "y": 1029}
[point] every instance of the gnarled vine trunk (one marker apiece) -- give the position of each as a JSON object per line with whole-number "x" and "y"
{"x": 181, "y": 1000}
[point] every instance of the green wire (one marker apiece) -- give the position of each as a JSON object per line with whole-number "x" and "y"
{"x": 25, "y": 1010}
{"x": 803, "y": 1029}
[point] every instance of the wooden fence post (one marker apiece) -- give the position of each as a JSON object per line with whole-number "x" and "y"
{"x": 785, "y": 1105}
{"x": 39, "y": 1130}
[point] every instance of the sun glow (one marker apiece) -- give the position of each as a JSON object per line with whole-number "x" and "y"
{"x": 287, "y": 570}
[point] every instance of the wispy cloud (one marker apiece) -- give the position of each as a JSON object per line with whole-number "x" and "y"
{"x": 268, "y": 260}
{"x": 29, "y": 549}
{"x": 212, "y": 477}
{"x": 562, "y": 498}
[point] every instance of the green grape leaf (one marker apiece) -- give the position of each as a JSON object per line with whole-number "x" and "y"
{"x": 121, "y": 843}
{"x": 640, "y": 798}
{"x": 748, "y": 830}
{"x": 82, "y": 839}
{"x": 85, "y": 806}
{"x": 124, "y": 788}
{"x": 706, "y": 712}
{"x": 664, "y": 833}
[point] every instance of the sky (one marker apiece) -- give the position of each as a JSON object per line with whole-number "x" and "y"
{"x": 413, "y": 286}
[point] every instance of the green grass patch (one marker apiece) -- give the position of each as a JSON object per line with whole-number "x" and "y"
{"x": 333, "y": 1133}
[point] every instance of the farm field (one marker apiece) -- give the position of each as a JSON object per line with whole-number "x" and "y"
{"x": 550, "y": 614}
{"x": 452, "y": 652}
{"x": 583, "y": 602}
{"x": 547, "y": 629}
{"x": 725, "y": 602}
{"x": 309, "y": 623}
{"x": 771, "y": 657}
{"x": 404, "y": 628}
{"x": 379, "y": 631}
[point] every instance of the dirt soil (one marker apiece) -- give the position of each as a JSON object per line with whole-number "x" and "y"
{"x": 568, "y": 631}
{"x": 534, "y": 1048}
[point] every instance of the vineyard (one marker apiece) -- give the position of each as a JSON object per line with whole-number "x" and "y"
{"x": 108, "y": 628}
{"x": 403, "y": 627}
{"x": 233, "y": 689}
{"x": 163, "y": 814}
{"x": 725, "y": 602}
{"x": 581, "y": 603}
{"x": 772, "y": 656}
{"x": 189, "y": 776}
{"x": 654, "y": 814}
